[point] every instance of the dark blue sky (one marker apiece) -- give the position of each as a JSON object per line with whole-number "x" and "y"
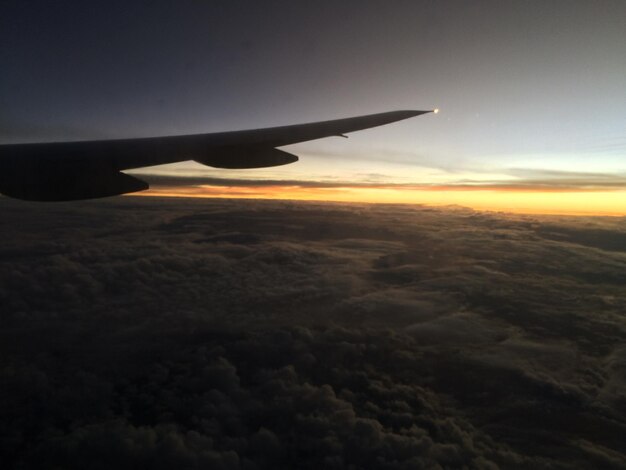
{"x": 523, "y": 85}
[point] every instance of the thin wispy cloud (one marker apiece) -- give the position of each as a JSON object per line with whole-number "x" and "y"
{"x": 543, "y": 181}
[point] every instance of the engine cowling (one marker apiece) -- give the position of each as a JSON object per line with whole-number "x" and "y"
{"x": 68, "y": 186}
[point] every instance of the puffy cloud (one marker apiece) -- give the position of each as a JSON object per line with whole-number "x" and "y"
{"x": 253, "y": 334}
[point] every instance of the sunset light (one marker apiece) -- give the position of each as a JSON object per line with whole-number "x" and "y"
{"x": 502, "y": 200}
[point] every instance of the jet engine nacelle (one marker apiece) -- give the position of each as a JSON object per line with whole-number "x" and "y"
{"x": 67, "y": 186}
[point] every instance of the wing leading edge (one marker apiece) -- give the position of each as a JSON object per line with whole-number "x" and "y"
{"x": 61, "y": 171}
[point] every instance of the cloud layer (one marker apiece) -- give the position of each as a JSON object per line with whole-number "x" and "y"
{"x": 252, "y": 334}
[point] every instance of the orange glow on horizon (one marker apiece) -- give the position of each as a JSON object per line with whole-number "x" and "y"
{"x": 516, "y": 200}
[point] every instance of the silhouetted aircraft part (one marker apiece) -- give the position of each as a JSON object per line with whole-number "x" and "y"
{"x": 249, "y": 157}
{"x": 63, "y": 171}
{"x": 57, "y": 186}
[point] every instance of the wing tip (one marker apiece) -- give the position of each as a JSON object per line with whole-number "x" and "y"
{"x": 408, "y": 113}
{"x": 416, "y": 112}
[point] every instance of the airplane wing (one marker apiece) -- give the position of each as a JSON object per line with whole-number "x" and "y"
{"x": 62, "y": 171}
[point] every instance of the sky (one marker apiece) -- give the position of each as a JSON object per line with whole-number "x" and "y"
{"x": 532, "y": 99}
